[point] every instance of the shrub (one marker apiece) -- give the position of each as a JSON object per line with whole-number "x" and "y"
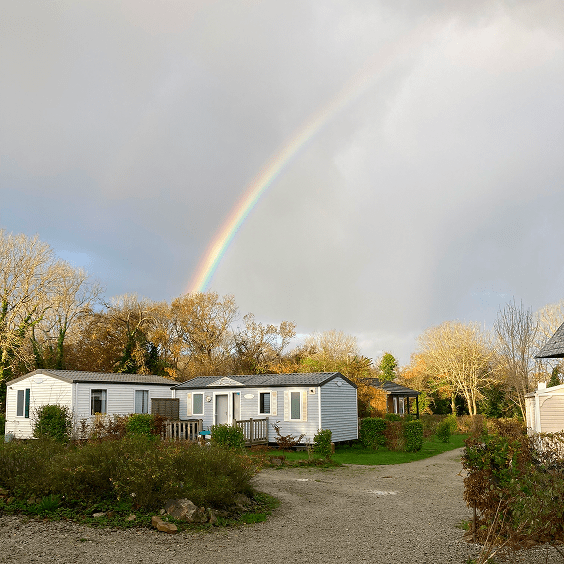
{"x": 372, "y": 432}
{"x": 443, "y": 431}
{"x": 392, "y": 417}
{"x": 413, "y": 435}
{"x": 134, "y": 471}
{"x": 54, "y": 422}
{"x": 141, "y": 424}
{"x": 228, "y": 436}
{"x": 452, "y": 421}
{"x": 394, "y": 435}
{"x": 2, "y": 424}
{"x": 322, "y": 443}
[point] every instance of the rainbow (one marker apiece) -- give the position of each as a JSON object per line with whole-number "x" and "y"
{"x": 280, "y": 160}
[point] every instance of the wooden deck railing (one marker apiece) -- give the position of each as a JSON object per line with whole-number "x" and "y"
{"x": 182, "y": 430}
{"x": 255, "y": 431}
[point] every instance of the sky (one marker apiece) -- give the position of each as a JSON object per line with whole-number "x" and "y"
{"x": 406, "y": 155}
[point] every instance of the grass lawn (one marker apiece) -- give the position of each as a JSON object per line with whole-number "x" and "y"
{"x": 356, "y": 454}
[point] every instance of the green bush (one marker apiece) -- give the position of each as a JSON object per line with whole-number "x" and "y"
{"x": 228, "y": 436}
{"x": 372, "y": 432}
{"x": 2, "y": 424}
{"x": 413, "y": 435}
{"x": 133, "y": 471}
{"x": 392, "y": 417}
{"x": 54, "y": 422}
{"x": 452, "y": 420}
{"x": 322, "y": 443}
{"x": 141, "y": 424}
{"x": 444, "y": 431}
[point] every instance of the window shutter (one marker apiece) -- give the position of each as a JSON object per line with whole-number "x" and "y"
{"x": 27, "y": 390}
{"x": 304, "y": 405}
{"x": 274, "y": 403}
{"x": 286, "y": 406}
{"x": 188, "y": 404}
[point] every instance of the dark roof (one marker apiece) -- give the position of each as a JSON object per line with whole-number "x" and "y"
{"x": 392, "y": 388}
{"x": 554, "y": 348}
{"x": 73, "y": 376}
{"x": 262, "y": 380}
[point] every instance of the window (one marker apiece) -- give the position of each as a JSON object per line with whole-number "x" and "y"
{"x": 141, "y": 401}
{"x": 295, "y": 405}
{"x": 197, "y": 404}
{"x": 264, "y": 402}
{"x": 22, "y": 408}
{"x": 97, "y": 401}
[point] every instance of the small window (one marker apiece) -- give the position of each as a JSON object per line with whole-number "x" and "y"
{"x": 141, "y": 401}
{"x": 197, "y": 404}
{"x": 264, "y": 402}
{"x": 295, "y": 405}
{"x": 22, "y": 407}
{"x": 97, "y": 401}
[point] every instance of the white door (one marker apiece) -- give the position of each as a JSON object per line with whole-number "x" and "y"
{"x": 221, "y": 409}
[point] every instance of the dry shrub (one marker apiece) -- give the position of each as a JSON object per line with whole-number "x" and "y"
{"x": 394, "y": 435}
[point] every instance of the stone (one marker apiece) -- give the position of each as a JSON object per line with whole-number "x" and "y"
{"x": 98, "y": 515}
{"x": 131, "y": 517}
{"x": 212, "y": 517}
{"x": 163, "y": 526}
{"x": 185, "y": 510}
{"x": 162, "y": 511}
{"x": 242, "y": 501}
{"x": 276, "y": 461}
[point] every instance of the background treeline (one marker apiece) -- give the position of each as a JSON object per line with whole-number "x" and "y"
{"x": 52, "y": 315}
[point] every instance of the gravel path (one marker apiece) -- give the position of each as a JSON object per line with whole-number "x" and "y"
{"x": 399, "y": 514}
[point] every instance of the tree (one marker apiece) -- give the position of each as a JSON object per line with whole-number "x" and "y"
{"x": 323, "y": 352}
{"x": 74, "y": 295}
{"x": 462, "y": 355}
{"x": 388, "y": 366}
{"x": 516, "y": 331}
{"x": 28, "y": 278}
{"x": 202, "y": 324}
{"x": 257, "y": 347}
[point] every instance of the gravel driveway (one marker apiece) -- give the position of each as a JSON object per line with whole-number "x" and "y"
{"x": 380, "y": 514}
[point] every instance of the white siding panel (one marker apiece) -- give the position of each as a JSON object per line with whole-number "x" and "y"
{"x": 552, "y": 413}
{"x": 339, "y": 410}
{"x": 120, "y": 398}
{"x": 44, "y": 390}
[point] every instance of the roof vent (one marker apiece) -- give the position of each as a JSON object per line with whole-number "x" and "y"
{"x": 541, "y": 386}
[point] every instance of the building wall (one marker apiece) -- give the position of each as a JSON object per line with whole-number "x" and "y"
{"x": 43, "y": 390}
{"x": 552, "y": 412}
{"x": 249, "y": 398}
{"x": 339, "y": 410}
{"x": 120, "y": 397}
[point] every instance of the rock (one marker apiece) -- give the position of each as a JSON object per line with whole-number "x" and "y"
{"x": 242, "y": 501}
{"x": 163, "y": 526}
{"x": 131, "y": 517}
{"x": 276, "y": 461}
{"x": 185, "y": 510}
{"x": 98, "y": 515}
{"x": 212, "y": 517}
{"x": 162, "y": 511}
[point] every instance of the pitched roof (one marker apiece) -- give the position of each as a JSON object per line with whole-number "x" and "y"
{"x": 262, "y": 380}
{"x": 392, "y": 387}
{"x": 73, "y": 376}
{"x": 554, "y": 348}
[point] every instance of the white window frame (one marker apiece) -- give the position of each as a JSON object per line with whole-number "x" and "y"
{"x": 194, "y": 394}
{"x": 290, "y": 392}
{"x": 269, "y": 403}
{"x": 25, "y": 402}
{"x": 143, "y": 402}
{"x": 104, "y": 400}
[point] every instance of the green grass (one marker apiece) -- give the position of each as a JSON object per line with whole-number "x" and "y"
{"x": 356, "y": 454}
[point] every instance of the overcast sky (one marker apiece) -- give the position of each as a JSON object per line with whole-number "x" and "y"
{"x": 130, "y": 129}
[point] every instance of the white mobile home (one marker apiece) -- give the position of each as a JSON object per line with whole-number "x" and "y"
{"x": 84, "y": 393}
{"x": 545, "y": 409}
{"x": 300, "y": 403}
